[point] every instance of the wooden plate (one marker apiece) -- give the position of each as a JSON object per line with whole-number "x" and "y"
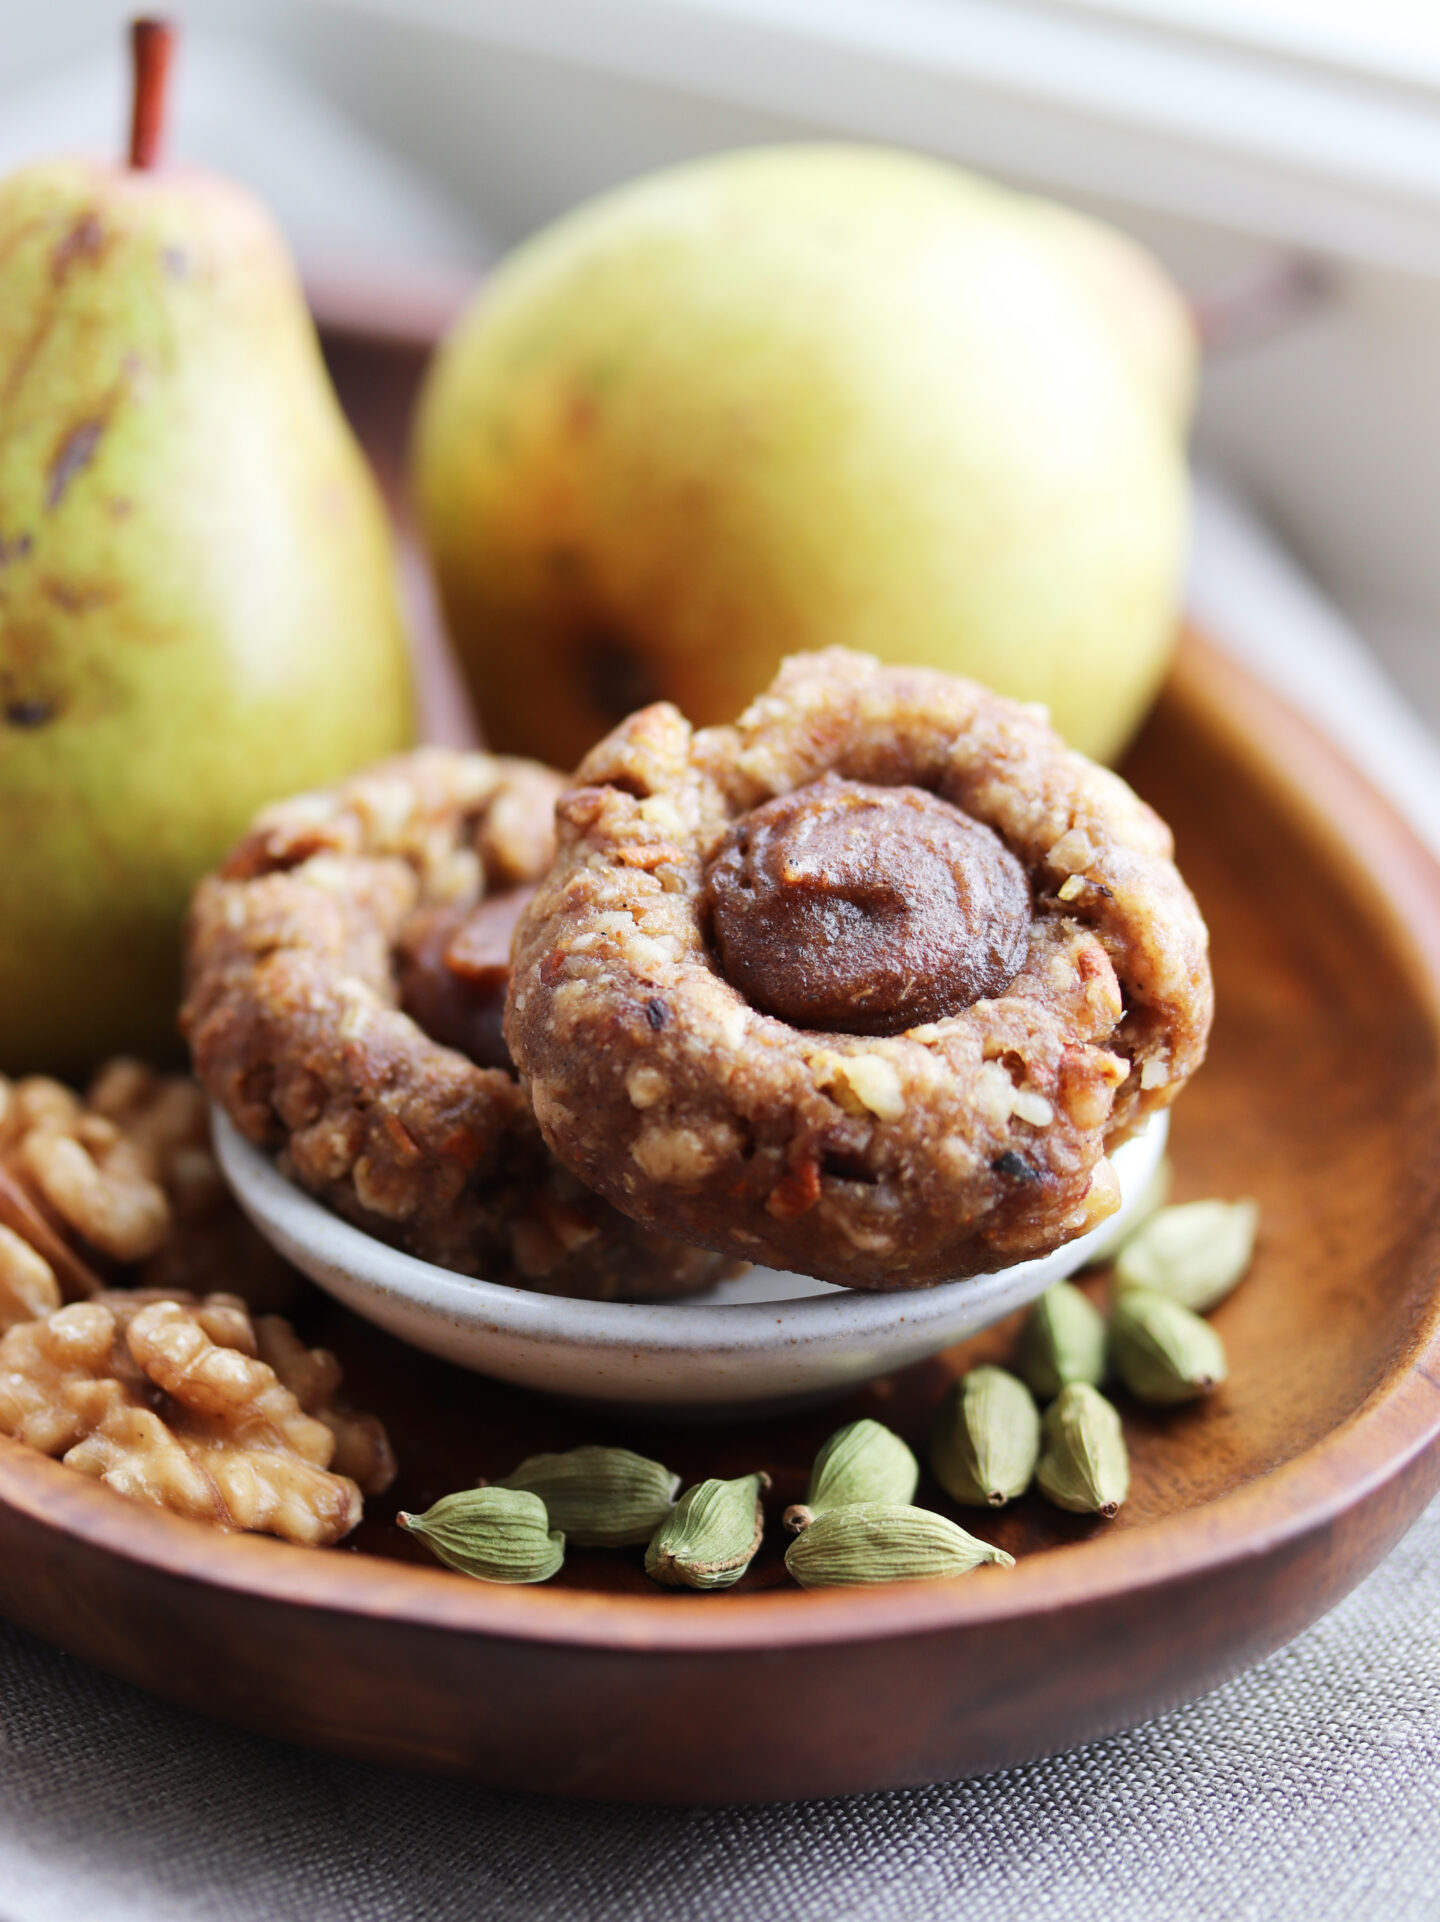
{"x": 1248, "y": 1518}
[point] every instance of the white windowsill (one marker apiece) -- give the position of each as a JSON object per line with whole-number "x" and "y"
{"x": 1146, "y": 111}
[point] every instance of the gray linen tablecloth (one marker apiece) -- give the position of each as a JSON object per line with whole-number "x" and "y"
{"x": 1307, "y": 1789}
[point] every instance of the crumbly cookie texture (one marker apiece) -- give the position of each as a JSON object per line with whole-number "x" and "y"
{"x": 877, "y": 1159}
{"x": 341, "y": 917}
{"x": 191, "y": 1406}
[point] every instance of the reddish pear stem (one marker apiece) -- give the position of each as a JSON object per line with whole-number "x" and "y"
{"x": 151, "y": 44}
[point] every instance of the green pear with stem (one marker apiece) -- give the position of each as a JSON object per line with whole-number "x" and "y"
{"x": 198, "y": 601}
{"x": 791, "y": 397}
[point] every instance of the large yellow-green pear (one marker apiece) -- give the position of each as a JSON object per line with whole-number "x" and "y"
{"x": 197, "y": 599}
{"x": 807, "y": 395}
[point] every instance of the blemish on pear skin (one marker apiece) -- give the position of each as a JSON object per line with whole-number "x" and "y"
{"x": 28, "y": 714}
{"x": 72, "y": 457}
{"x": 615, "y": 676}
{"x": 14, "y": 549}
{"x": 76, "y": 600}
{"x": 581, "y": 414}
{"x": 86, "y": 240}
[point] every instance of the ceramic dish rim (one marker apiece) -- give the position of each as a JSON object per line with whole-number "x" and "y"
{"x": 649, "y": 1328}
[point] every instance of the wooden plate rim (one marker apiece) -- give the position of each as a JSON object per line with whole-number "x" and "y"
{"x": 1397, "y": 1423}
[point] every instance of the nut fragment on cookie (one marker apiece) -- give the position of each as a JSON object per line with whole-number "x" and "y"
{"x": 861, "y": 1083}
{"x": 645, "y": 1086}
{"x": 679, "y": 1155}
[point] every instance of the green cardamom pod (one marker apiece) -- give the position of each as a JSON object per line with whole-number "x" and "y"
{"x": 1114, "y": 1235}
{"x": 599, "y": 1497}
{"x": 1083, "y": 1465}
{"x": 710, "y": 1537}
{"x": 1162, "y": 1352}
{"x": 885, "y": 1542}
{"x": 1195, "y": 1253}
{"x": 862, "y": 1462}
{"x": 494, "y": 1534}
{"x": 1063, "y": 1340}
{"x": 986, "y": 1439}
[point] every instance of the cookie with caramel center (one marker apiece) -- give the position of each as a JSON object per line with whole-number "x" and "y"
{"x": 866, "y": 986}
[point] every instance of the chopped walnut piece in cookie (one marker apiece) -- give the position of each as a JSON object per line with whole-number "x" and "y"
{"x": 189, "y": 1406}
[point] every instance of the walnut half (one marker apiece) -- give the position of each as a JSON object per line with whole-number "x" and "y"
{"x": 186, "y": 1405}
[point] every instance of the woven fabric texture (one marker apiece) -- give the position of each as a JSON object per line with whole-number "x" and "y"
{"x": 1307, "y": 1789}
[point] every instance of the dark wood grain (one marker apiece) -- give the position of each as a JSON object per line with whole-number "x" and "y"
{"x": 1249, "y": 1516}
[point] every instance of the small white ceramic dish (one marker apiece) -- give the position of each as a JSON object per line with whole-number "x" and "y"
{"x": 750, "y": 1344}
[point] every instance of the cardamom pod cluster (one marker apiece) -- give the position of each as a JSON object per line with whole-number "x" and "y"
{"x": 986, "y": 1439}
{"x": 1170, "y": 1265}
{"x": 599, "y": 1497}
{"x": 885, "y": 1542}
{"x": 1083, "y": 1463}
{"x": 858, "y": 1523}
{"x": 863, "y": 1462}
{"x": 1161, "y": 1351}
{"x": 1194, "y": 1253}
{"x": 494, "y": 1534}
{"x": 1063, "y": 1340}
{"x": 710, "y": 1537}
{"x": 1064, "y": 1353}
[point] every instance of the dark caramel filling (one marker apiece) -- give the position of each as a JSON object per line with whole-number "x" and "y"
{"x": 453, "y": 966}
{"x": 866, "y": 910}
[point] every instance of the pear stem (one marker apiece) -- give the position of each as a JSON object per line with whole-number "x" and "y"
{"x": 151, "y": 44}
